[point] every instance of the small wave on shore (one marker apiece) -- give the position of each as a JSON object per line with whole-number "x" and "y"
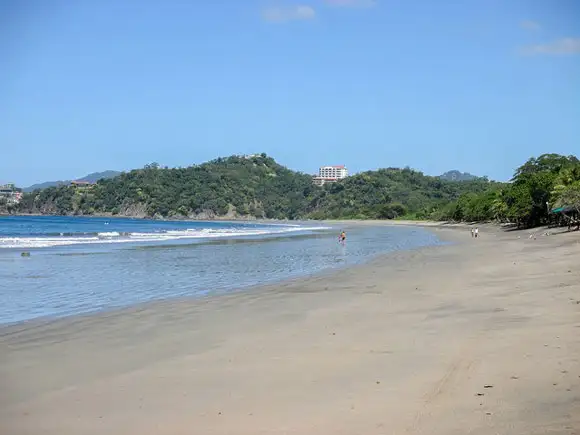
{"x": 66, "y": 239}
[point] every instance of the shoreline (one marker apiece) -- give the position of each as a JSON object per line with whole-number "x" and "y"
{"x": 446, "y": 233}
{"x": 9, "y": 327}
{"x": 478, "y": 336}
{"x": 151, "y": 218}
{"x": 251, "y": 219}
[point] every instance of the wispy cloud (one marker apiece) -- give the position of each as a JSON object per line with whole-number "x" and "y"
{"x": 560, "y": 46}
{"x": 530, "y": 25}
{"x": 290, "y": 13}
{"x": 352, "y": 3}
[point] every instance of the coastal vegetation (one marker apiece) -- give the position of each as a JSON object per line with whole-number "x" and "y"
{"x": 251, "y": 186}
{"x": 258, "y": 187}
{"x": 548, "y": 182}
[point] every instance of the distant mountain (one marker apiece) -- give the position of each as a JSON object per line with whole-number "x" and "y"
{"x": 91, "y": 178}
{"x": 458, "y": 176}
{"x": 96, "y": 176}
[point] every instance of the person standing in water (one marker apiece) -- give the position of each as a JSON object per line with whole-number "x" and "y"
{"x": 342, "y": 237}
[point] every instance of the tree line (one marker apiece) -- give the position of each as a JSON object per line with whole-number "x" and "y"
{"x": 539, "y": 186}
{"x": 259, "y": 187}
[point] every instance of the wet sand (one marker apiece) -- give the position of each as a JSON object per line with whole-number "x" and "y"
{"x": 479, "y": 337}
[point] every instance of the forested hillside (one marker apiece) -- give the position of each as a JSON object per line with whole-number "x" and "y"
{"x": 389, "y": 193}
{"x": 254, "y": 186}
{"x": 258, "y": 187}
{"x": 234, "y": 186}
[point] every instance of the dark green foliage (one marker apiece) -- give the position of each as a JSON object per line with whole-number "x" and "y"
{"x": 258, "y": 186}
{"x": 253, "y": 186}
{"x": 388, "y": 194}
{"x": 537, "y": 185}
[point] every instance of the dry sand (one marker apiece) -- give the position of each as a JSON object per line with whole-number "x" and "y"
{"x": 481, "y": 337}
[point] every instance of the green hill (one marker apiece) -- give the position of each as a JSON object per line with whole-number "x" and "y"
{"x": 389, "y": 193}
{"x": 235, "y": 186}
{"x": 252, "y": 186}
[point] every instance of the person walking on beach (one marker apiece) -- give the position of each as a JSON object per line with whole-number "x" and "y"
{"x": 476, "y": 232}
{"x": 472, "y": 232}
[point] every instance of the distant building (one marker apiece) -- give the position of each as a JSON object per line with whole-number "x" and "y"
{"x": 82, "y": 186}
{"x": 330, "y": 174}
{"x": 339, "y": 172}
{"x": 9, "y": 191}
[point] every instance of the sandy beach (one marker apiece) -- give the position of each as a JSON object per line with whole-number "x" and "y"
{"x": 477, "y": 337}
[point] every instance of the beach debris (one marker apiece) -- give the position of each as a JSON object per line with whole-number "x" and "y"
{"x": 488, "y": 386}
{"x": 479, "y": 394}
{"x": 514, "y": 377}
{"x": 378, "y": 382}
{"x": 25, "y": 254}
{"x": 488, "y": 413}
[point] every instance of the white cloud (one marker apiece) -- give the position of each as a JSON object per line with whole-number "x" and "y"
{"x": 290, "y": 13}
{"x": 530, "y": 25}
{"x": 352, "y": 3}
{"x": 560, "y": 46}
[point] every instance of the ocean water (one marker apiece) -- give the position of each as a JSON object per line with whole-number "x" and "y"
{"x": 80, "y": 265}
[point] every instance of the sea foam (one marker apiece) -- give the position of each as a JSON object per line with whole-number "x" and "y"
{"x": 160, "y": 236}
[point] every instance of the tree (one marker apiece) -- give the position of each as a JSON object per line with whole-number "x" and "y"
{"x": 553, "y": 163}
{"x": 568, "y": 196}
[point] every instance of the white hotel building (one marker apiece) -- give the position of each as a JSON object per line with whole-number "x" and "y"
{"x": 330, "y": 174}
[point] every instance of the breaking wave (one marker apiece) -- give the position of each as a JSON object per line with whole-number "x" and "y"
{"x": 66, "y": 239}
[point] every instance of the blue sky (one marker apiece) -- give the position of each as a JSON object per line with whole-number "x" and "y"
{"x": 435, "y": 85}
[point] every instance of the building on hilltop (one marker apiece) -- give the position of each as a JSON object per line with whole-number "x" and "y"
{"x": 11, "y": 194}
{"x": 330, "y": 174}
{"x": 339, "y": 172}
{"x": 82, "y": 185}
